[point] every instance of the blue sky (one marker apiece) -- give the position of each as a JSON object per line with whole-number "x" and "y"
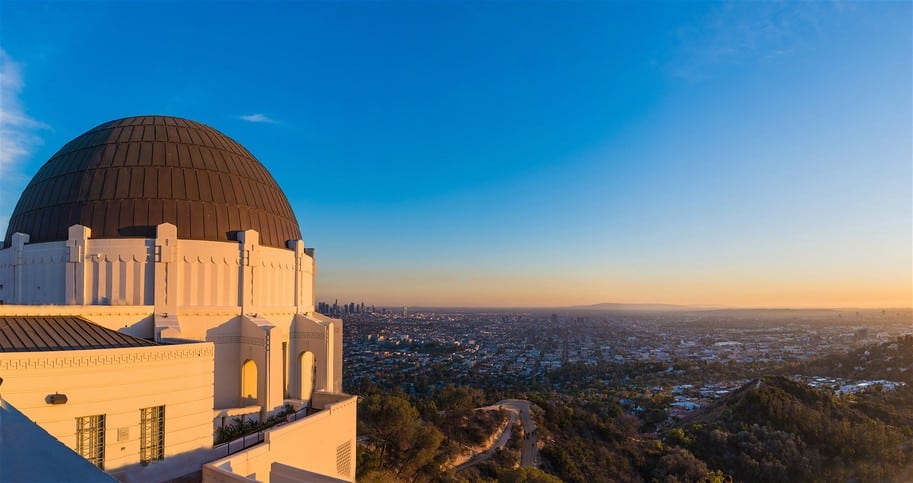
{"x": 751, "y": 154}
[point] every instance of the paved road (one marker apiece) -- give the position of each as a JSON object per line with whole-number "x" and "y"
{"x": 502, "y": 439}
{"x": 529, "y": 452}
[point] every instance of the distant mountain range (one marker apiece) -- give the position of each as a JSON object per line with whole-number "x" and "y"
{"x": 704, "y": 310}
{"x": 603, "y": 307}
{"x": 644, "y": 307}
{"x": 723, "y": 308}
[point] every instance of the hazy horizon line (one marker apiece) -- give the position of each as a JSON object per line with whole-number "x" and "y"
{"x": 644, "y": 306}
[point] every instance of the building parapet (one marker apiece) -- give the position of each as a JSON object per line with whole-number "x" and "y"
{"x": 319, "y": 444}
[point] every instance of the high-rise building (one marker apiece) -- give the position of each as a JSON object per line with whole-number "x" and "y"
{"x": 156, "y": 288}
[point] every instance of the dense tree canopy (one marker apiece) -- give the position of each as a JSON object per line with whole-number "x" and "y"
{"x": 772, "y": 429}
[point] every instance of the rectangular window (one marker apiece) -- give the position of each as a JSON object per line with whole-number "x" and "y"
{"x": 152, "y": 434}
{"x": 90, "y": 439}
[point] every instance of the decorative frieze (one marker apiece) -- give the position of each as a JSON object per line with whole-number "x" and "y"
{"x": 308, "y": 335}
{"x": 66, "y": 359}
{"x": 233, "y": 339}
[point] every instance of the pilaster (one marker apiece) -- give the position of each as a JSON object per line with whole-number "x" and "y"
{"x": 18, "y": 241}
{"x": 77, "y": 243}
{"x": 249, "y": 242}
{"x": 165, "y": 257}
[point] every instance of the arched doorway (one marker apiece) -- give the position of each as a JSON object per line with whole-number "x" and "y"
{"x": 249, "y": 382}
{"x": 307, "y": 369}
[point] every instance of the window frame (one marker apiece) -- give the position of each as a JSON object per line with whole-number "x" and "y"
{"x": 90, "y": 439}
{"x": 152, "y": 434}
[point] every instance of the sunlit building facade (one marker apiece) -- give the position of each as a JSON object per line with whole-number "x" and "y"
{"x": 155, "y": 288}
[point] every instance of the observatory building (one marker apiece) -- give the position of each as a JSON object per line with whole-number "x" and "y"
{"x": 156, "y": 298}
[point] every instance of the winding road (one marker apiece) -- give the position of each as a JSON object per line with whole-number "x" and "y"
{"x": 529, "y": 452}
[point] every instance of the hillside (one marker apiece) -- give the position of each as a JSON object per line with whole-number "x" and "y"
{"x": 891, "y": 360}
{"x": 781, "y": 430}
{"x": 777, "y": 428}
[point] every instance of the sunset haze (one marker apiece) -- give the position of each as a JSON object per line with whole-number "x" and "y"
{"x": 522, "y": 155}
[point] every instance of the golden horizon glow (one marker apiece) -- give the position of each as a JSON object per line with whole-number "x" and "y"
{"x": 428, "y": 289}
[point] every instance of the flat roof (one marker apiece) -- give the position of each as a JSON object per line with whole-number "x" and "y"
{"x": 60, "y": 333}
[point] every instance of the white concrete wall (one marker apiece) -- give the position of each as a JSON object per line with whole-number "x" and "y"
{"x": 280, "y": 473}
{"x": 118, "y": 272}
{"x": 234, "y": 341}
{"x": 123, "y": 271}
{"x": 45, "y": 266}
{"x": 6, "y": 276}
{"x": 118, "y": 383}
{"x": 38, "y": 270}
{"x": 208, "y": 273}
{"x": 308, "y": 334}
{"x": 229, "y": 294}
{"x": 277, "y": 277}
{"x": 322, "y": 443}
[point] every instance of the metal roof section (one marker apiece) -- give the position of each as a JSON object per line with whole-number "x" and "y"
{"x": 59, "y": 333}
{"x": 124, "y": 177}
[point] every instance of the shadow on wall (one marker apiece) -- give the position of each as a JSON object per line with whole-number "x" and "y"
{"x": 144, "y": 328}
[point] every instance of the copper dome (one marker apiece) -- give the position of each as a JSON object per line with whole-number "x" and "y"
{"x": 124, "y": 177}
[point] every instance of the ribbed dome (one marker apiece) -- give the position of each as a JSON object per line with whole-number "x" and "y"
{"x": 124, "y": 177}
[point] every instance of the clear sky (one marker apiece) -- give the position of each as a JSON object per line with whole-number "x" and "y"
{"x": 515, "y": 154}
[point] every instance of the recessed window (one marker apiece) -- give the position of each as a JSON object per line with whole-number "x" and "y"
{"x": 152, "y": 434}
{"x": 90, "y": 439}
{"x": 249, "y": 382}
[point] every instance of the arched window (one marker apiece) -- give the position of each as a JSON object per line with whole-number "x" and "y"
{"x": 307, "y": 370}
{"x": 249, "y": 382}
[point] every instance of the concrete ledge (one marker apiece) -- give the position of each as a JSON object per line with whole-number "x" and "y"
{"x": 321, "y": 444}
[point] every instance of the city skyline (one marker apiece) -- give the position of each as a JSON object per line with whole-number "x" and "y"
{"x": 508, "y": 155}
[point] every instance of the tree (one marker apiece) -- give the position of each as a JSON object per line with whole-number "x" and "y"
{"x": 388, "y": 421}
{"x": 419, "y": 450}
{"x": 680, "y": 465}
{"x": 454, "y": 397}
{"x": 404, "y": 443}
{"x": 526, "y": 474}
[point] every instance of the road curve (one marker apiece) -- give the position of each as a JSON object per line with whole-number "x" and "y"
{"x": 529, "y": 452}
{"x": 501, "y": 440}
